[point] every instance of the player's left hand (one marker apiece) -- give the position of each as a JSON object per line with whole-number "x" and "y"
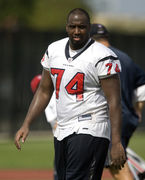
{"x": 118, "y": 157}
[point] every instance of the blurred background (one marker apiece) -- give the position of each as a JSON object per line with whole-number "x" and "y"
{"x": 26, "y": 29}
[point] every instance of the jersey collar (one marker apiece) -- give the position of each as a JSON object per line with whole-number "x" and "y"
{"x": 74, "y": 57}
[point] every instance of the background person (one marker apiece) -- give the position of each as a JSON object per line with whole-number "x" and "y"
{"x": 50, "y": 110}
{"x": 139, "y": 101}
{"x": 132, "y": 81}
{"x": 80, "y": 77}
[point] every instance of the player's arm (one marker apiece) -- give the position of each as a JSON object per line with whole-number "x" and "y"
{"x": 111, "y": 88}
{"x": 139, "y": 108}
{"x": 37, "y": 106}
{"x": 139, "y": 101}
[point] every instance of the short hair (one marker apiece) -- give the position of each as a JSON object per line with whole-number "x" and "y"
{"x": 81, "y": 11}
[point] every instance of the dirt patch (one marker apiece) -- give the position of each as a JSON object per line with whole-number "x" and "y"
{"x": 35, "y": 175}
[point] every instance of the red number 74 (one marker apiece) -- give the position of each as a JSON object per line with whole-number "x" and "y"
{"x": 75, "y": 85}
{"x": 110, "y": 66}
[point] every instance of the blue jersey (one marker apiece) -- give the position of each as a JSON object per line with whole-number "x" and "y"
{"x": 131, "y": 76}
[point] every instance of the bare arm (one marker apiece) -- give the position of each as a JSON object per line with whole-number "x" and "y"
{"x": 37, "y": 106}
{"x": 139, "y": 108}
{"x": 111, "y": 88}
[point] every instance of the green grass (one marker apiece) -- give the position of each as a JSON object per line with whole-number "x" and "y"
{"x": 35, "y": 154}
{"x": 137, "y": 143}
{"x": 38, "y": 153}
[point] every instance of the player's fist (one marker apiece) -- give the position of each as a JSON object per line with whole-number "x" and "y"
{"x": 118, "y": 157}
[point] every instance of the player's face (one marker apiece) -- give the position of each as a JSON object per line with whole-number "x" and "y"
{"x": 78, "y": 30}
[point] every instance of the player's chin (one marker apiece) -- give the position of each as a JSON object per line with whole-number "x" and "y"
{"x": 77, "y": 43}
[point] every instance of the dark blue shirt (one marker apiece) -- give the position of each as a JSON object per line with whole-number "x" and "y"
{"x": 131, "y": 77}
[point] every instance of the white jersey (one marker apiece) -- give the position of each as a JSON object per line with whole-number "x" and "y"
{"x": 50, "y": 112}
{"x": 139, "y": 94}
{"x": 80, "y": 101}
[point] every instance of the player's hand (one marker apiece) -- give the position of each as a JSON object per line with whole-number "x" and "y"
{"x": 118, "y": 157}
{"x": 21, "y": 134}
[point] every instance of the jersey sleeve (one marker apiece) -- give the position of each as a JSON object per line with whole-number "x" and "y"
{"x": 45, "y": 60}
{"x": 51, "y": 113}
{"x": 107, "y": 66}
{"x": 139, "y": 94}
{"x": 139, "y": 75}
{"x": 139, "y": 91}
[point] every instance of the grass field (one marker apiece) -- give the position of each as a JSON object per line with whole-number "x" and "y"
{"x": 137, "y": 143}
{"x": 38, "y": 152}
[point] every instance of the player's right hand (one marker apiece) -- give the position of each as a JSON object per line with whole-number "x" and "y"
{"x": 118, "y": 157}
{"x": 21, "y": 134}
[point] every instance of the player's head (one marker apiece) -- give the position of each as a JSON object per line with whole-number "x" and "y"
{"x": 78, "y": 28}
{"x": 35, "y": 82}
{"x": 99, "y": 31}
